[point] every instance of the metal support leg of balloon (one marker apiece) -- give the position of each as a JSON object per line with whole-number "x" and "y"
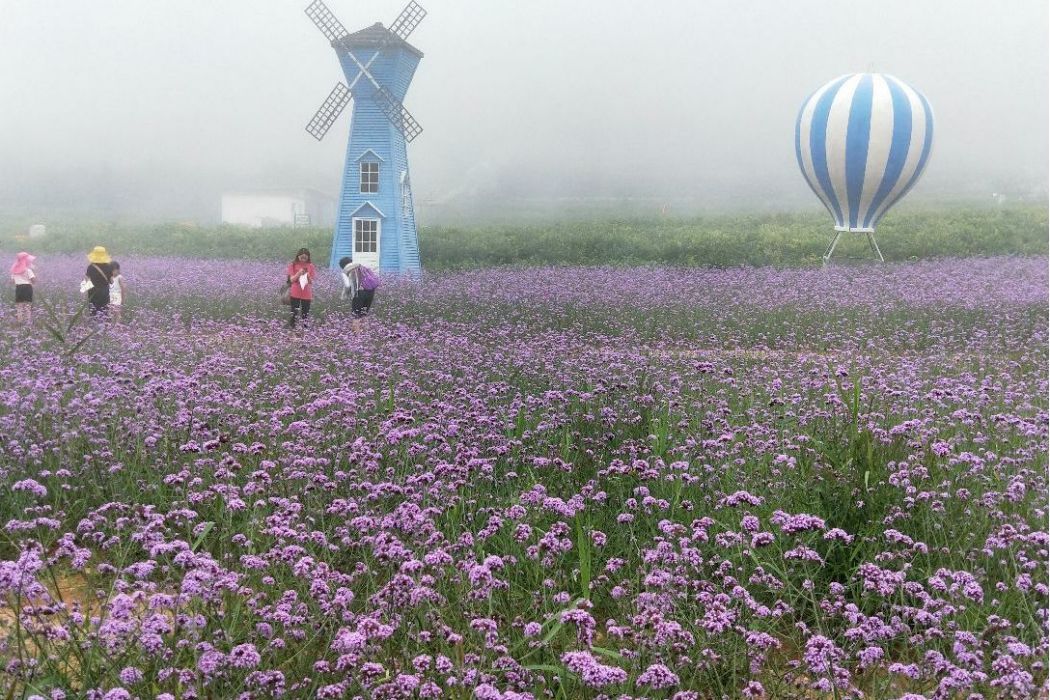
{"x": 831, "y": 247}
{"x": 875, "y": 247}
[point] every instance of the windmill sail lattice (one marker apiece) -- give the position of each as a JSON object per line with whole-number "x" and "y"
{"x": 329, "y": 111}
{"x": 408, "y": 20}
{"x": 399, "y": 116}
{"x": 331, "y": 27}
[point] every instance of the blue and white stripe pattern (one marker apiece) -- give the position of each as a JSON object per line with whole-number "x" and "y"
{"x": 862, "y": 141}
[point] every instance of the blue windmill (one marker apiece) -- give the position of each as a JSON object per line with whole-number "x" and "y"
{"x": 376, "y": 223}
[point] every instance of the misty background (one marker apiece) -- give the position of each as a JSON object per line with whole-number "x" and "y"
{"x": 151, "y": 110}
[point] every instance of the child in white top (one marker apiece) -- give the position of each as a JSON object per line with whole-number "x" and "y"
{"x": 23, "y": 276}
{"x": 116, "y": 291}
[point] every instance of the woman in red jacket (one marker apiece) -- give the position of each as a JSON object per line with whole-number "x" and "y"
{"x": 301, "y": 274}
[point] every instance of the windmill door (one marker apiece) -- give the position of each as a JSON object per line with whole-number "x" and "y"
{"x": 366, "y": 242}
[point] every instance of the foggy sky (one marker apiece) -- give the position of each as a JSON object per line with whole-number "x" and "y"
{"x": 164, "y": 104}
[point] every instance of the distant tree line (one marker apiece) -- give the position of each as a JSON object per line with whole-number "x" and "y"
{"x": 719, "y": 241}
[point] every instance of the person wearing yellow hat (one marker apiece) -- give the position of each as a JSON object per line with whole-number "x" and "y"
{"x": 97, "y": 279}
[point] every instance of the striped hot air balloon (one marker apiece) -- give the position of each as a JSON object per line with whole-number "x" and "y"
{"x": 862, "y": 141}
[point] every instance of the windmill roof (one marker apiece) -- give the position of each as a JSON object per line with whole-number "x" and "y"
{"x": 373, "y": 37}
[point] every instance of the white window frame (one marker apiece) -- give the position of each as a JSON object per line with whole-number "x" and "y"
{"x": 368, "y": 182}
{"x": 375, "y": 243}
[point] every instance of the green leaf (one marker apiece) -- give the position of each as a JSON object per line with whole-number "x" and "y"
{"x": 553, "y": 631}
{"x": 607, "y": 652}
{"x": 55, "y": 333}
{"x": 583, "y": 545}
{"x": 856, "y": 400}
{"x": 75, "y": 317}
{"x": 204, "y": 533}
{"x": 558, "y": 624}
{"x": 52, "y": 324}
{"x": 81, "y": 342}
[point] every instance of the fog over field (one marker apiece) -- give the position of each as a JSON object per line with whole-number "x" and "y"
{"x": 152, "y": 109}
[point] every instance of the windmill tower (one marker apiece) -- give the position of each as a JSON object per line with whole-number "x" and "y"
{"x": 376, "y": 223}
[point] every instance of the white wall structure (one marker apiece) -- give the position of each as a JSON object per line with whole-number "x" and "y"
{"x": 266, "y": 208}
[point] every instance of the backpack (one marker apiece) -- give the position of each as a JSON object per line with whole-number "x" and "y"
{"x": 369, "y": 280}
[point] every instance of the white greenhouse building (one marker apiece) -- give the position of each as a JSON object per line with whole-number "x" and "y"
{"x": 269, "y": 208}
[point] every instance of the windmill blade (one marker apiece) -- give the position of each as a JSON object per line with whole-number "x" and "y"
{"x": 329, "y": 111}
{"x": 399, "y": 116}
{"x": 408, "y": 20}
{"x": 325, "y": 20}
{"x": 390, "y": 105}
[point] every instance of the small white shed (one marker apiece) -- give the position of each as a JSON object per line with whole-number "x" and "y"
{"x": 268, "y": 208}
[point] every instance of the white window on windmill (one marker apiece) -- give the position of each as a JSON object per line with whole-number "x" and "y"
{"x": 369, "y": 177}
{"x": 406, "y": 194}
{"x": 366, "y": 236}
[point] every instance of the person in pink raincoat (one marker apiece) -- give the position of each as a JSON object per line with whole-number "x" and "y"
{"x": 301, "y": 275}
{"x": 23, "y": 276}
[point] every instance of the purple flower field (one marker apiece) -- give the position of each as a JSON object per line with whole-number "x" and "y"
{"x": 564, "y": 483}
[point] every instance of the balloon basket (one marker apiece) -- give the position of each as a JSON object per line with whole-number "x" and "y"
{"x": 872, "y": 243}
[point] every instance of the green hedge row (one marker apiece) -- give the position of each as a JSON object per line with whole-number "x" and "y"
{"x": 771, "y": 239}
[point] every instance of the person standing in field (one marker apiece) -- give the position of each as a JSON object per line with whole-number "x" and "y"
{"x": 300, "y": 278}
{"x": 359, "y": 285}
{"x": 117, "y": 293}
{"x": 22, "y": 275}
{"x": 97, "y": 279}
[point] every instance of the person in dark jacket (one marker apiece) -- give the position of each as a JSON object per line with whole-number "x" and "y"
{"x": 97, "y": 279}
